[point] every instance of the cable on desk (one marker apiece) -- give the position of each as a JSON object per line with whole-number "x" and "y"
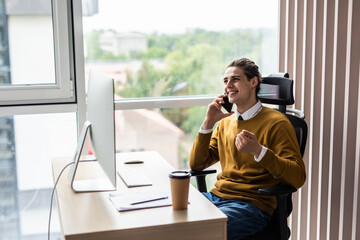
{"x": 52, "y": 193}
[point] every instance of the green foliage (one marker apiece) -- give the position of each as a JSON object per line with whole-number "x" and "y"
{"x": 94, "y": 51}
{"x": 194, "y": 60}
{"x": 195, "y": 117}
{"x": 156, "y": 52}
{"x": 162, "y": 41}
{"x": 148, "y": 82}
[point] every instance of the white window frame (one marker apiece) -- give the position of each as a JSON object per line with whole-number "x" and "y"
{"x": 164, "y": 102}
{"x": 63, "y": 90}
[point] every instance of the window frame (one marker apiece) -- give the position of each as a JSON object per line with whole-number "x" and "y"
{"x": 164, "y": 102}
{"x": 61, "y": 92}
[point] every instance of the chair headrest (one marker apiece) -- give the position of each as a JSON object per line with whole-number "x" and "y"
{"x": 277, "y": 89}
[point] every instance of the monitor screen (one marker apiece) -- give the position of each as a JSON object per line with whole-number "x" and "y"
{"x": 100, "y": 114}
{"x": 100, "y": 125}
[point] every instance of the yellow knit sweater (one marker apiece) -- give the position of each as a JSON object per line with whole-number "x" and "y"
{"x": 241, "y": 175}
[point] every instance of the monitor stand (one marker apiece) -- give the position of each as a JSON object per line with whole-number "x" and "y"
{"x": 86, "y": 185}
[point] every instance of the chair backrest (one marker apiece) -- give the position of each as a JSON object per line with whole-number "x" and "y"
{"x": 301, "y": 130}
{"x": 278, "y": 89}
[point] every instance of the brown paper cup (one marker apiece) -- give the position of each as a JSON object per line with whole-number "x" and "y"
{"x": 179, "y": 181}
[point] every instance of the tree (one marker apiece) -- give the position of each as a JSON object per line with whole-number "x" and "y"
{"x": 147, "y": 82}
{"x": 94, "y": 51}
{"x": 195, "y": 62}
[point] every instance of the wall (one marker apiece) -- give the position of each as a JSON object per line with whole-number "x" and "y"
{"x": 320, "y": 47}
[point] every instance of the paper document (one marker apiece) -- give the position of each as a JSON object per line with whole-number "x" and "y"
{"x": 140, "y": 200}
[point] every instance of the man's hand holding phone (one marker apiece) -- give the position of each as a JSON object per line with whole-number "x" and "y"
{"x": 227, "y": 105}
{"x": 214, "y": 113}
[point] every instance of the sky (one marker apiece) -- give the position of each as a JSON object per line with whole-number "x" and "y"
{"x": 168, "y": 16}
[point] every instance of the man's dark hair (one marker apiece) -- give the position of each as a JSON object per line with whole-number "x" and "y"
{"x": 250, "y": 69}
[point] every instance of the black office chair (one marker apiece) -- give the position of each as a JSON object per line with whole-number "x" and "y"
{"x": 275, "y": 89}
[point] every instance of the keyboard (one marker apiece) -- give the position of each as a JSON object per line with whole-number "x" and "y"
{"x": 134, "y": 178}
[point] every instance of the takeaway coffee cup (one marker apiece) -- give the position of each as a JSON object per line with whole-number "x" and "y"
{"x": 179, "y": 181}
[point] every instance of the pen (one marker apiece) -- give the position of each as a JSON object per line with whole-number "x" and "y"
{"x": 150, "y": 200}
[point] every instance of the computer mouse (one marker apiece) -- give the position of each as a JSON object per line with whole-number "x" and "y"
{"x": 133, "y": 161}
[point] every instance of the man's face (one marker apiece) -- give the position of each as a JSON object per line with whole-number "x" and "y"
{"x": 238, "y": 87}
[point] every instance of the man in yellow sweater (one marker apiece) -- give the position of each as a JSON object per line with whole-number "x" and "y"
{"x": 256, "y": 147}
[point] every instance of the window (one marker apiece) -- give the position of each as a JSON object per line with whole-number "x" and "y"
{"x": 27, "y": 144}
{"x": 168, "y": 48}
{"x": 169, "y": 58}
{"x": 35, "y": 52}
{"x": 35, "y": 68}
{"x": 166, "y": 131}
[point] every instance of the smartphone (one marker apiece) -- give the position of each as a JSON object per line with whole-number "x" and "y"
{"x": 227, "y": 105}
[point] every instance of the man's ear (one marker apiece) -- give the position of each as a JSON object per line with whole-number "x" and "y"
{"x": 254, "y": 81}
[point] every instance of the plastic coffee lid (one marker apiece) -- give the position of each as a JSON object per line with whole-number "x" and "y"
{"x": 180, "y": 174}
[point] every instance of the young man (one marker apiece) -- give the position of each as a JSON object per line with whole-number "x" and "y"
{"x": 256, "y": 147}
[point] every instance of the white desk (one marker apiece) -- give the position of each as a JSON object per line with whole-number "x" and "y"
{"x": 92, "y": 215}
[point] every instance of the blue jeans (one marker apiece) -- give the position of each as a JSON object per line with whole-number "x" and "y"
{"x": 244, "y": 219}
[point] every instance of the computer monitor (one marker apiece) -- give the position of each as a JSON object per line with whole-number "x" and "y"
{"x": 100, "y": 125}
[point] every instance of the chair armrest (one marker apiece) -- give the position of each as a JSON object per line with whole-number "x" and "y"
{"x": 202, "y": 173}
{"x": 277, "y": 190}
{"x": 200, "y": 178}
{"x": 299, "y": 113}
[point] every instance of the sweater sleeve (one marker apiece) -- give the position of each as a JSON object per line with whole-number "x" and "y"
{"x": 204, "y": 152}
{"x": 283, "y": 159}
